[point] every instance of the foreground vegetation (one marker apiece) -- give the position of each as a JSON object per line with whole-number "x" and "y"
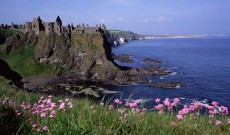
{"x": 34, "y": 113}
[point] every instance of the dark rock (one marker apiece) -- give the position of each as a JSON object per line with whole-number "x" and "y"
{"x": 166, "y": 84}
{"x": 123, "y": 58}
{"x": 12, "y": 42}
{"x": 2, "y": 39}
{"x": 152, "y": 61}
{"x": 150, "y": 70}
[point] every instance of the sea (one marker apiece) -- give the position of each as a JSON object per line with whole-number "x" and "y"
{"x": 203, "y": 64}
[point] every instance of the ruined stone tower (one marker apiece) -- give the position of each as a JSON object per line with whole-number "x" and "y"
{"x": 58, "y": 26}
{"x": 49, "y": 27}
{"x": 28, "y": 26}
{"x": 37, "y": 25}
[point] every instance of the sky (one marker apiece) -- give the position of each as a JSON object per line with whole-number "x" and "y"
{"x": 167, "y": 17}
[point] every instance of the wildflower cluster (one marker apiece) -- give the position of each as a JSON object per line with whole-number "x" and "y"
{"x": 124, "y": 110}
{"x": 44, "y": 109}
{"x": 192, "y": 110}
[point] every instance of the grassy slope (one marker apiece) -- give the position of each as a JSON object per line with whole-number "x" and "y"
{"x": 22, "y": 61}
{"x": 87, "y": 117}
{"x": 120, "y": 33}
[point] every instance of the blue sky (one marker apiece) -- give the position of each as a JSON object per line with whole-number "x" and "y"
{"x": 140, "y": 16}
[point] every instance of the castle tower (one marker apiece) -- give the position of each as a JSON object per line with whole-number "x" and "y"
{"x": 1, "y": 25}
{"x": 28, "y": 26}
{"x": 58, "y": 26}
{"x": 103, "y": 27}
{"x": 37, "y": 25}
{"x": 49, "y": 27}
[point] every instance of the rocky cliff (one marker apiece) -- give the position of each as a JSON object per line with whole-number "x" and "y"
{"x": 118, "y": 37}
{"x": 87, "y": 55}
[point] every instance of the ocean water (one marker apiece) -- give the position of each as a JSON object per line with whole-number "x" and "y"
{"x": 202, "y": 63}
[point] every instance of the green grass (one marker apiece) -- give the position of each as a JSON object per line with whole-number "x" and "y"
{"x": 88, "y": 117}
{"x": 8, "y": 32}
{"x": 3, "y": 81}
{"x": 22, "y": 61}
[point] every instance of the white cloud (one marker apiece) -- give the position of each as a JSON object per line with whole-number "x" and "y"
{"x": 158, "y": 20}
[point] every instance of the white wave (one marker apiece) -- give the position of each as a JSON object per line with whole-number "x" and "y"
{"x": 178, "y": 86}
{"x": 173, "y": 73}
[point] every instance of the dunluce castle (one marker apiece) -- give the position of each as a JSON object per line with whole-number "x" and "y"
{"x": 37, "y": 26}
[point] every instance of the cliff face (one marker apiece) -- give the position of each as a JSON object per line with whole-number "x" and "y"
{"x": 118, "y": 37}
{"x": 87, "y": 55}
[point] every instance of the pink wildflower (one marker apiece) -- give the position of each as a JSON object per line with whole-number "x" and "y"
{"x": 120, "y": 103}
{"x": 228, "y": 121}
{"x": 44, "y": 101}
{"x": 224, "y": 110}
{"x": 218, "y": 122}
{"x": 43, "y": 115}
{"x": 45, "y": 128}
{"x": 60, "y": 101}
{"x": 16, "y": 111}
{"x": 62, "y": 106}
{"x": 133, "y": 105}
{"x": 138, "y": 110}
{"x": 38, "y": 130}
{"x": 191, "y": 107}
{"x": 125, "y": 115}
{"x": 91, "y": 107}
{"x": 210, "y": 107}
{"x": 6, "y": 100}
{"x": 49, "y": 101}
{"x": 53, "y": 112}
{"x": 51, "y": 116}
{"x": 176, "y": 100}
{"x": 111, "y": 107}
{"x": 198, "y": 105}
{"x": 179, "y": 117}
{"x": 185, "y": 110}
{"x": 173, "y": 104}
{"x": 159, "y": 107}
{"x": 215, "y": 103}
{"x": 173, "y": 123}
{"x": 52, "y": 105}
{"x": 157, "y": 100}
{"x": 18, "y": 114}
{"x": 116, "y": 101}
{"x": 180, "y": 112}
{"x": 41, "y": 98}
{"x": 127, "y": 104}
{"x": 70, "y": 105}
{"x": 50, "y": 96}
{"x": 34, "y": 125}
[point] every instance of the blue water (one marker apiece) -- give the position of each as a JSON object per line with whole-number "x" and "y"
{"x": 202, "y": 63}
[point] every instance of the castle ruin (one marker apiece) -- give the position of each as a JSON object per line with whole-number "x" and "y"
{"x": 37, "y": 26}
